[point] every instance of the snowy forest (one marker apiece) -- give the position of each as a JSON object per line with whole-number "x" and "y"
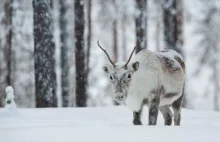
{"x": 49, "y": 51}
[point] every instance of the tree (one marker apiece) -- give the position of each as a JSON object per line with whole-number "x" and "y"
{"x": 115, "y": 34}
{"x": 141, "y": 23}
{"x": 5, "y": 45}
{"x": 44, "y": 49}
{"x": 173, "y": 21}
{"x": 159, "y": 24}
{"x": 22, "y": 59}
{"x": 81, "y": 96}
{"x": 89, "y": 35}
{"x": 64, "y": 53}
{"x": 8, "y": 46}
{"x": 124, "y": 11}
{"x": 89, "y": 39}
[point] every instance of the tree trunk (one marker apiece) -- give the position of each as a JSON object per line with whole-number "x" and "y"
{"x": 51, "y": 3}
{"x": 145, "y": 24}
{"x": 64, "y": 53}
{"x": 81, "y": 96}
{"x": 115, "y": 35}
{"x": 141, "y": 23}
{"x": 179, "y": 43}
{"x": 89, "y": 35}
{"x": 173, "y": 22}
{"x": 157, "y": 35}
{"x": 115, "y": 39}
{"x": 170, "y": 24}
{"x": 89, "y": 39}
{"x": 44, "y": 50}
{"x": 123, "y": 30}
{"x": 158, "y": 27}
{"x": 8, "y": 46}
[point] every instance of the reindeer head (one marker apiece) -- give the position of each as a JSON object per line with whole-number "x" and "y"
{"x": 120, "y": 75}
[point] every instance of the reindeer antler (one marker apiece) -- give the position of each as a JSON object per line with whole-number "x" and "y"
{"x": 106, "y": 54}
{"x": 138, "y": 44}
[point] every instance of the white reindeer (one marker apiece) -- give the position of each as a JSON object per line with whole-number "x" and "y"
{"x": 153, "y": 78}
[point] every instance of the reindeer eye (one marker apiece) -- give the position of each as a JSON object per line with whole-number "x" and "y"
{"x": 111, "y": 77}
{"x": 129, "y": 75}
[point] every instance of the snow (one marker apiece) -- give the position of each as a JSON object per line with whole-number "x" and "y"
{"x": 10, "y": 93}
{"x": 10, "y": 106}
{"x": 107, "y": 124}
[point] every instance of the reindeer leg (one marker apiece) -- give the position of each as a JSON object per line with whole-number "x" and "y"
{"x": 167, "y": 114}
{"x": 137, "y": 117}
{"x": 176, "y": 105}
{"x": 153, "y": 110}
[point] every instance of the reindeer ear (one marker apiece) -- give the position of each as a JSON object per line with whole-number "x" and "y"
{"x": 107, "y": 68}
{"x": 135, "y": 66}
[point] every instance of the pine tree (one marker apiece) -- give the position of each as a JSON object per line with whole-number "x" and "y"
{"x": 173, "y": 20}
{"x": 89, "y": 35}
{"x": 123, "y": 31}
{"x": 141, "y": 23}
{"x": 81, "y": 96}
{"x": 89, "y": 40}
{"x": 8, "y": 46}
{"x": 64, "y": 53}
{"x": 115, "y": 33}
{"x": 44, "y": 49}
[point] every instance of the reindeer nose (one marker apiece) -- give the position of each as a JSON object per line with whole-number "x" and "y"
{"x": 118, "y": 91}
{"x": 120, "y": 96}
{"x": 8, "y": 101}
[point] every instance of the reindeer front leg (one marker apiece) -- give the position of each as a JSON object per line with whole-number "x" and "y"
{"x": 137, "y": 117}
{"x": 154, "y": 101}
{"x": 135, "y": 104}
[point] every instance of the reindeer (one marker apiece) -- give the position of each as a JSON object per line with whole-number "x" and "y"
{"x": 153, "y": 78}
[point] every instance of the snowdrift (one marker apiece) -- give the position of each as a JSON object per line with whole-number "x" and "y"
{"x": 109, "y": 124}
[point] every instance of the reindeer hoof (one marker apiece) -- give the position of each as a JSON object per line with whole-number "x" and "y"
{"x": 137, "y": 122}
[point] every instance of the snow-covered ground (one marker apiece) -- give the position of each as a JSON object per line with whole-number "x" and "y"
{"x": 109, "y": 124}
